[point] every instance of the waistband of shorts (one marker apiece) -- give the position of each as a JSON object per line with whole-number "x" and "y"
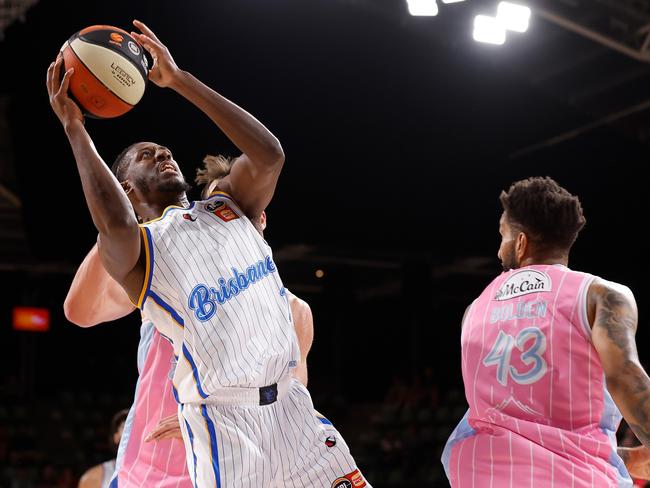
{"x": 238, "y": 396}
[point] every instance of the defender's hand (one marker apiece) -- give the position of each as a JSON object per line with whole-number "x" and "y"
{"x": 164, "y": 70}
{"x": 167, "y": 428}
{"x": 65, "y": 109}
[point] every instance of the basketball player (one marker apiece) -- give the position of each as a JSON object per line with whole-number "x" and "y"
{"x": 94, "y": 297}
{"x": 548, "y": 354}
{"x": 205, "y": 277}
{"x": 100, "y": 476}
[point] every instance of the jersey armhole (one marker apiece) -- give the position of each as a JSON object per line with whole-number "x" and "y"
{"x": 582, "y": 306}
{"x": 149, "y": 263}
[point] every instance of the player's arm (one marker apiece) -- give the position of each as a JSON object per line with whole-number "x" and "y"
{"x": 111, "y": 211}
{"x": 613, "y": 315}
{"x": 637, "y": 461}
{"x": 303, "y": 322}
{"x": 94, "y": 297}
{"x": 255, "y": 173}
{"x": 92, "y": 478}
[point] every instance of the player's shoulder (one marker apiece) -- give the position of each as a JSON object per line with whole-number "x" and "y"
{"x": 601, "y": 288}
{"x": 92, "y": 477}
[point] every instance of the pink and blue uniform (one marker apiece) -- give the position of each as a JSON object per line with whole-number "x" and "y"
{"x": 539, "y": 411}
{"x": 158, "y": 463}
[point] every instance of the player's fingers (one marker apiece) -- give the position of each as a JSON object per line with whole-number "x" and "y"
{"x": 48, "y": 77}
{"x": 143, "y": 27}
{"x": 56, "y": 75}
{"x": 66, "y": 82}
{"x": 149, "y": 43}
{"x": 157, "y": 433}
{"x": 170, "y": 434}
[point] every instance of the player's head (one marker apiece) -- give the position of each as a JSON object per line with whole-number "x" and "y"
{"x": 117, "y": 426}
{"x": 150, "y": 170}
{"x": 540, "y": 221}
{"x": 214, "y": 169}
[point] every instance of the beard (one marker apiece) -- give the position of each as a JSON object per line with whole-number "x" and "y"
{"x": 174, "y": 186}
{"x": 509, "y": 260}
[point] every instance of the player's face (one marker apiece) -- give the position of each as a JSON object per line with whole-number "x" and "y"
{"x": 152, "y": 168}
{"x": 507, "y": 250}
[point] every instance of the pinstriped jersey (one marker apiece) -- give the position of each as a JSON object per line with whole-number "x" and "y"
{"x": 539, "y": 410}
{"x": 212, "y": 288}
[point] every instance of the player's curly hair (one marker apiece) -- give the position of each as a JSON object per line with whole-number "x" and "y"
{"x": 214, "y": 168}
{"x": 550, "y": 215}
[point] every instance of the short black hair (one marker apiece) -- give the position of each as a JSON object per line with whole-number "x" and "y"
{"x": 121, "y": 164}
{"x": 550, "y": 215}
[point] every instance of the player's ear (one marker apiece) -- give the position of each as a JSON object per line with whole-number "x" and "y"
{"x": 521, "y": 246}
{"x": 126, "y": 186}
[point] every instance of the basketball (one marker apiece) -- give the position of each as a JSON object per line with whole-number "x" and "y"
{"x": 110, "y": 70}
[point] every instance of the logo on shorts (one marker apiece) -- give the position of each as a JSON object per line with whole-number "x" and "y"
{"x": 133, "y": 47}
{"x": 342, "y": 483}
{"x": 330, "y": 441}
{"x": 352, "y": 480}
{"x": 524, "y": 282}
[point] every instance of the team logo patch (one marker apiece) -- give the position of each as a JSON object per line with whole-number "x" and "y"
{"x": 189, "y": 217}
{"x": 212, "y": 206}
{"x": 352, "y": 480}
{"x": 330, "y": 441}
{"x": 226, "y": 214}
{"x": 524, "y": 282}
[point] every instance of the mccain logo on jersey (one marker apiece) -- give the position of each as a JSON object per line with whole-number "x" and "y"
{"x": 524, "y": 282}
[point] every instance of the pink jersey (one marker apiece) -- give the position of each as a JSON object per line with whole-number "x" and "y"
{"x": 539, "y": 411}
{"x": 159, "y": 463}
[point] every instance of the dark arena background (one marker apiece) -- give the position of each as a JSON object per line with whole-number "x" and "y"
{"x": 400, "y": 131}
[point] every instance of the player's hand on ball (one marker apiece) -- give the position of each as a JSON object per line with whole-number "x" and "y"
{"x": 167, "y": 428}
{"x": 64, "y": 107}
{"x": 164, "y": 70}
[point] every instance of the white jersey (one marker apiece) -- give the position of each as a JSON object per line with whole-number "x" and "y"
{"x": 211, "y": 287}
{"x": 108, "y": 467}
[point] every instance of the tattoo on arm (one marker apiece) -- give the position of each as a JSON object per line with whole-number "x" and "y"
{"x": 617, "y": 316}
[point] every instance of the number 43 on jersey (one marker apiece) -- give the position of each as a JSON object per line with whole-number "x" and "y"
{"x": 501, "y": 354}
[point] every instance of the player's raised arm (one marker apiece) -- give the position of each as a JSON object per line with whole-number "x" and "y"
{"x": 111, "y": 211}
{"x": 255, "y": 173}
{"x": 614, "y": 314}
{"x": 94, "y": 297}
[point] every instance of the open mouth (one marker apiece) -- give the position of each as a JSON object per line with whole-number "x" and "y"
{"x": 168, "y": 168}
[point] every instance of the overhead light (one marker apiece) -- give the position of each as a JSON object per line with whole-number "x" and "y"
{"x": 489, "y": 30}
{"x": 425, "y": 8}
{"x": 452, "y": 1}
{"x": 513, "y": 17}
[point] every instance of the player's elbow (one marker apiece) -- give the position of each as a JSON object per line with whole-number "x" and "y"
{"x": 274, "y": 154}
{"x": 74, "y": 315}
